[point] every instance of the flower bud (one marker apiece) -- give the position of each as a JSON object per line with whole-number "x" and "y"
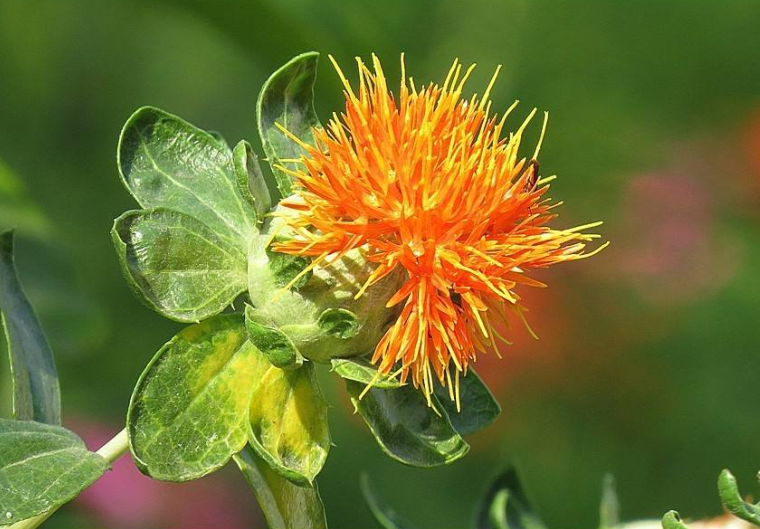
{"x": 319, "y": 313}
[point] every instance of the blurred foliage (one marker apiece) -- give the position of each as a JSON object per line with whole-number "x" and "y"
{"x": 647, "y": 363}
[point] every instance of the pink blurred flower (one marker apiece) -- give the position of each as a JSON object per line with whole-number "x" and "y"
{"x": 125, "y": 498}
{"x": 672, "y": 249}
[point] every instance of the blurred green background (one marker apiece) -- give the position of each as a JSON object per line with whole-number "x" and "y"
{"x": 648, "y": 362}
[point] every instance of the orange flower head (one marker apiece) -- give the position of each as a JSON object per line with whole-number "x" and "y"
{"x": 429, "y": 181}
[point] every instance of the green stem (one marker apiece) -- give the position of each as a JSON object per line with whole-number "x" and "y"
{"x": 111, "y": 451}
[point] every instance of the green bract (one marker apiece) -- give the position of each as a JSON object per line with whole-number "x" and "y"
{"x": 241, "y": 381}
{"x": 319, "y": 313}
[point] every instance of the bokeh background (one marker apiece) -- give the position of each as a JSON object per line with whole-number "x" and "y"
{"x": 648, "y": 362}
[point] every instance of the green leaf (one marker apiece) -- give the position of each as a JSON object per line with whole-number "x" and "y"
{"x": 277, "y": 347}
{"x": 360, "y": 370}
{"x": 287, "y": 99}
{"x": 36, "y": 392}
{"x": 478, "y": 406}
{"x": 672, "y": 520}
{"x": 41, "y": 467}
{"x": 250, "y": 179}
{"x": 177, "y": 265}
{"x": 289, "y": 423}
{"x": 506, "y": 506}
{"x": 189, "y": 411}
{"x": 166, "y": 162}
{"x": 609, "y": 509}
{"x": 219, "y": 137}
{"x": 385, "y": 515}
{"x": 285, "y": 268}
{"x": 285, "y": 505}
{"x": 733, "y": 501}
{"x": 339, "y": 322}
{"x": 407, "y": 429}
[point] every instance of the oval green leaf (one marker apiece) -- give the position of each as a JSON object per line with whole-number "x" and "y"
{"x": 360, "y": 370}
{"x": 284, "y": 504}
{"x": 288, "y": 426}
{"x": 250, "y": 180}
{"x": 42, "y": 467}
{"x": 478, "y": 407}
{"x": 287, "y": 99}
{"x": 189, "y": 412}
{"x": 36, "y": 391}
{"x": 167, "y": 162}
{"x": 177, "y": 265}
{"x": 407, "y": 429}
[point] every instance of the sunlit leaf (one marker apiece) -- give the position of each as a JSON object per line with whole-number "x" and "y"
{"x": 166, "y": 162}
{"x": 478, "y": 407}
{"x": 406, "y": 428}
{"x": 284, "y": 504}
{"x": 289, "y": 423}
{"x": 189, "y": 411}
{"x": 287, "y": 99}
{"x": 41, "y": 467}
{"x": 36, "y": 392}
{"x": 177, "y": 265}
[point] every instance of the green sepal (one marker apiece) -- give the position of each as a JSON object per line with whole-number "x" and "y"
{"x": 287, "y": 99}
{"x": 288, "y": 423}
{"x": 189, "y": 411}
{"x": 285, "y": 268}
{"x": 177, "y": 265}
{"x": 671, "y": 520}
{"x": 250, "y": 180}
{"x": 296, "y": 311}
{"x": 360, "y": 370}
{"x": 728, "y": 490}
{"x": 36, "y": 391}
{"x": 284, "y": 504}
{"x": 478, "y": 407}
{"x": 273, "y": 343}
{"x": 165, "y": 161}
{"x": 506, "y": 506}
{"x": 341, "y": 323}
{"x": 42, "y": 467}
{"x": 406, "y": 428}
{"x": 383, "y": 513}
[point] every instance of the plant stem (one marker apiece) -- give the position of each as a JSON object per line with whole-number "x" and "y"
{"x": 115, "y": 448}
{"x": 111, "y": 451}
